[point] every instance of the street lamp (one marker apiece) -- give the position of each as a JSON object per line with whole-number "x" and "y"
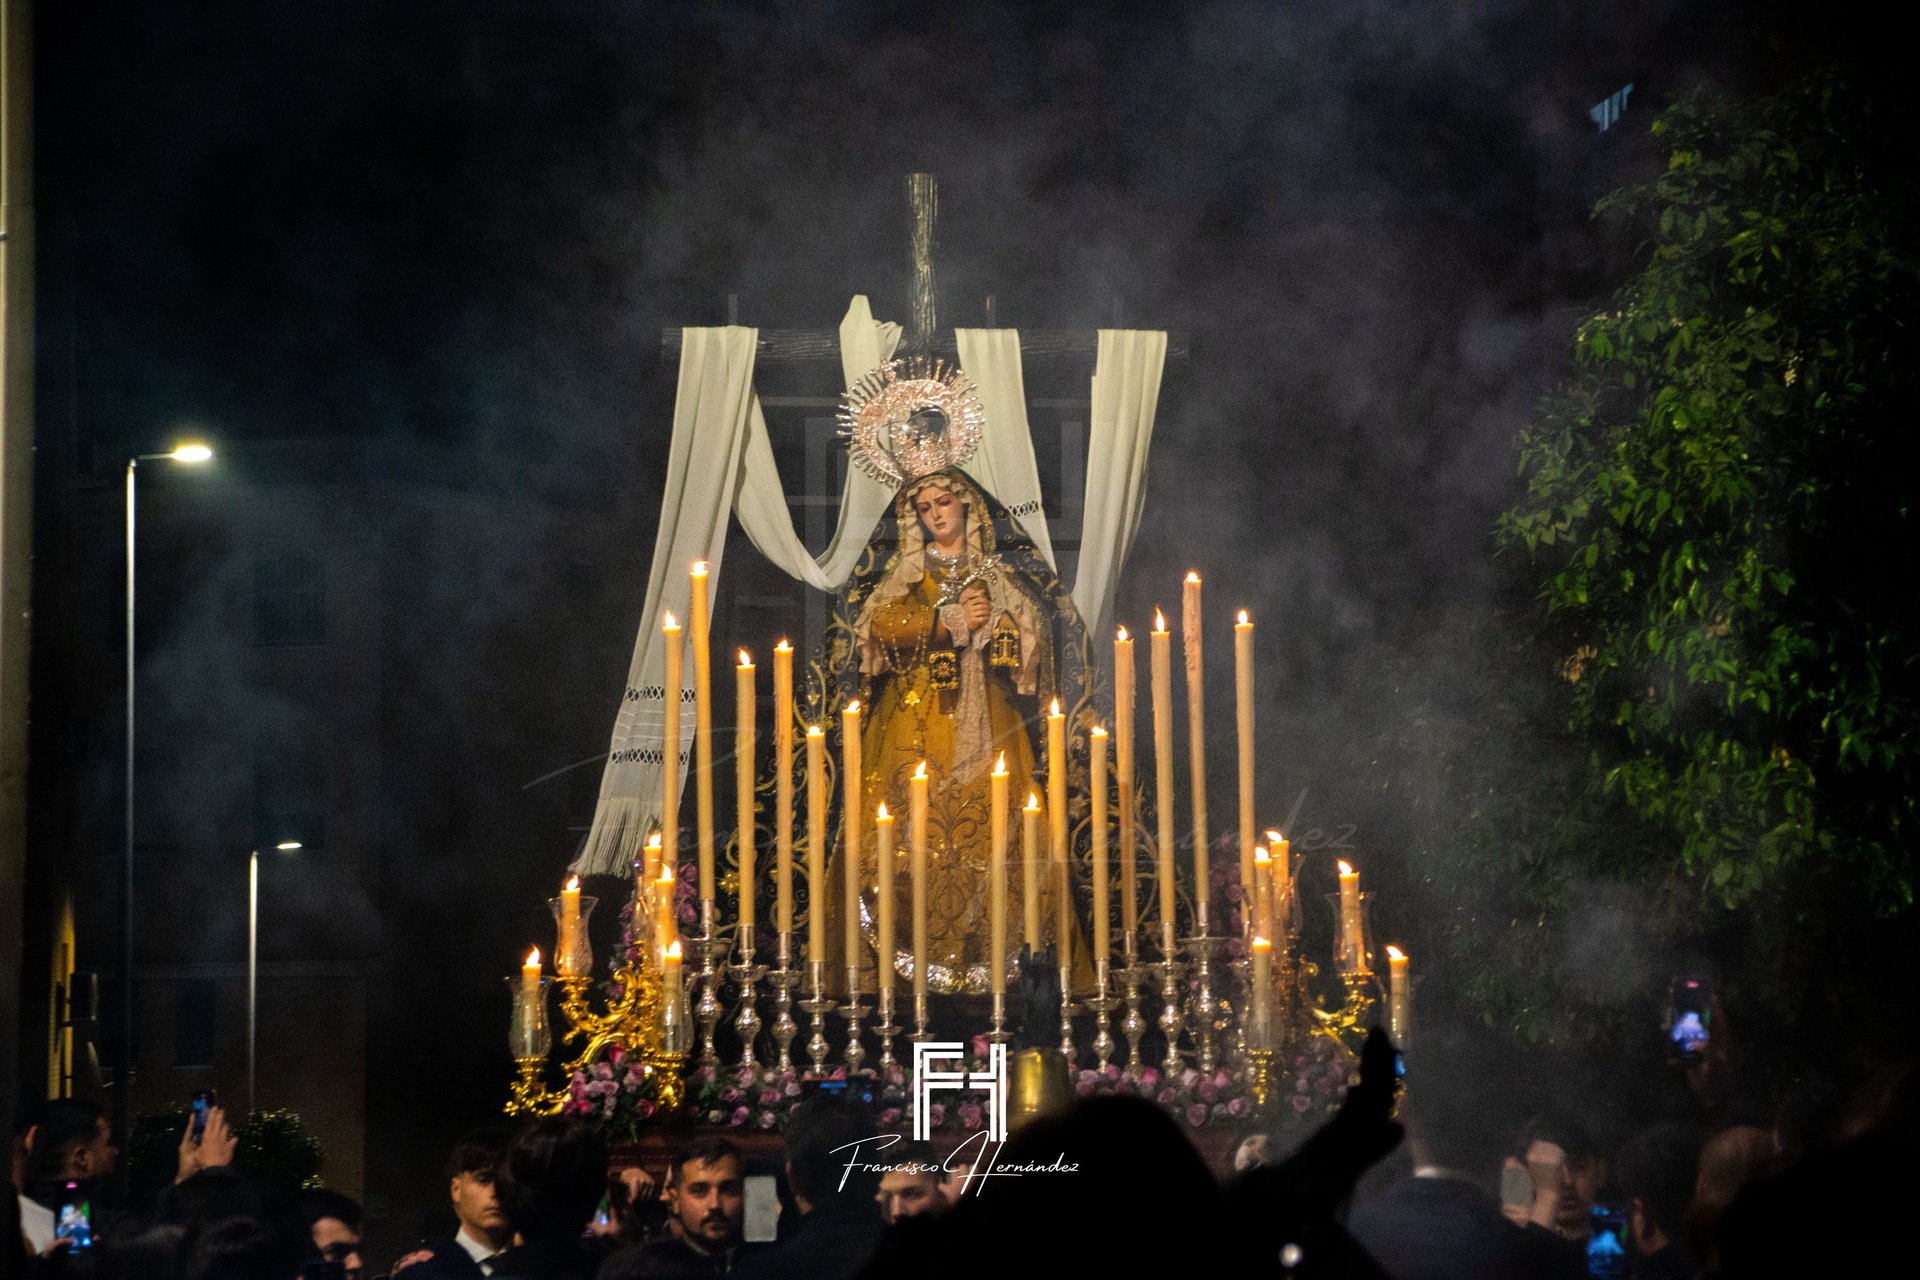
{"x": 190, "y": 452}
{"x": 253, "y": 954}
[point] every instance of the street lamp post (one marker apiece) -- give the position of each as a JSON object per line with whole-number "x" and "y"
{"x": 192, "y": 453}
{"x": 253, "y": 956}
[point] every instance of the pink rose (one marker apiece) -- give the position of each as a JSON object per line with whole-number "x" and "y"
{"x": 1223, "y": 1079}
{"x": 937, "y": 1115}
{"x": 971, "y": 1116}
{"x": 1188, "y": 1077}
{"x": 1149, "y": 1079}
{"x": 1240, "y": 1107}
{"x": 730, "y": 1095}
{"x": 1207, "y": 1092}
{"x": 1113, "y": 1073}
{"x": 1166, "y": 1098}
{"x": 1196, "y": 1115}
{"x": 981, "y": 1046}
{"x": 889, "y": 1117}
{"x": 747, "y": 1077}
{"x": 1084, "y": 1088}
{"x": 1300, "y": 1103}
{"x": 645, "y": 1108}
{"x": 686, "y": 911}
{"x": 740, "y": 1115}
{"x": 791, "y": 1089}
{"x": 769, "y": 1096}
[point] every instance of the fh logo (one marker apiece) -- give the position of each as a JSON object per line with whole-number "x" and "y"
{"x": 927, "y": 1078}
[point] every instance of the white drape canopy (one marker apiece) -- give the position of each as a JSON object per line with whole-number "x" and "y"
{"x": 720, "y": 461}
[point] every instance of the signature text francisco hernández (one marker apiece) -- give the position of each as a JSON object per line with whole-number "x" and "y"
{"x": 969, "y": 1165}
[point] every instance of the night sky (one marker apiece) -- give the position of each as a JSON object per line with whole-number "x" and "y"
{"x": 454, "y": 231}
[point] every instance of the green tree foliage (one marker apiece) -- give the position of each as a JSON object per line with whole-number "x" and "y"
{"x": 1718, "y": 503}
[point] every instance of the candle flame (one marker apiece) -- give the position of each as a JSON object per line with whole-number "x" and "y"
{"x": 1033, "y": 799}
{"x": 1121, "y": 635}
{"x": 1261, "y": 944}
{"x": 746, "y": 659}
{"x": 814, "y": 731}
{"x": 884, "y": 815}
{"x": 1159, "y": 621}
{"x": 573, "y": 884}
{"x": 533, "y": 958}
{"x": 1000, "y": 765}
{"x": 669, "y": 624}
{"x": 666, "y": 873}
{"x": 783, "y": 646}
{"x": 1395, "y": 953}
{"x": 673, "y": 950}
{"x": 1243, "y": 619}
{"x": 1260, "y": 854}
{"x": 1099, "y": 731}
{"x": 1345, "y": 870}
{"x": 1054, "y": 709}
{"x": 920, "y": 771}
{"x": 1193, "y": 579}
{"x": 699, "y": 568}
{"x": 653, "y": 841}
{"x": 1274, "y": 837}
{"x": 853, "y": 708}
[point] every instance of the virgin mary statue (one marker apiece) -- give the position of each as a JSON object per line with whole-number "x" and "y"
{"x": 956, "y": 635}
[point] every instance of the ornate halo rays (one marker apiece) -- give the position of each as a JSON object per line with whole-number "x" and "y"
{"x": 910, "y": 418}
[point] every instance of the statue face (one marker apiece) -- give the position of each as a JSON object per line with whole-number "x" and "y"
{"x": 941, "y": 513}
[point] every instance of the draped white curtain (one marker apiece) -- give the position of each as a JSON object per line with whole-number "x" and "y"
{"x": 721, "y": 459}
{"x": 1126, "y": 391}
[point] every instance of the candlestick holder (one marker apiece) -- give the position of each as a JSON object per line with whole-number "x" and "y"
{"x": 921, "y": 1031}
{"x": 1238, "y": 1046}
{"x": 573, "y": 950}
{"x": 1260, "y": 1079}
{"x": 999, "y": 1033}
{"x": 530, "y": 1097}
{"x": 1134, "y": 1025}
{"x": 1172, "y": 1022}
{"x": 817, "y": 1009}
{"x": 885, "y": 1029}
{"x": 1100, "y": 1003}
{"x": 1067, "y": 1008}
{"x": 784, "y": 979}
{"x": 711, "y": 951}
{"x": 745, "y": 974}
{"x": 1204, "y": 1017}
{"x": 853, "y": 1011}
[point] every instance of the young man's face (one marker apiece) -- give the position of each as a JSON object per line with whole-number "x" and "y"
{"x": 477, "y": 1205}
{"x": 708, "y": 1200}
{"x": 94, "y": 1158}
{"x": 908, "y": 1195}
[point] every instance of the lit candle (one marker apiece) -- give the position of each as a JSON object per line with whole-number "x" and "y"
{"x": 850, "y": 816}
{"x": 702, "y": 727}
{"x": 816, "y": 844}
{"x": 1123, "y": 771}
{"x": 883, "y": 850}
{"x": 530, "y": 976}
{"x": 1030, "y": 870}
{"x": 1196, "y": 742}
{"x": 670, "y": 739}
{"x": 1162, "y": 680}
{"x": 1260, "y": 917}
{"x": 565, "y": 953}
{"x": 1057, "y": 820}
{"x": 643, "y": 908}
{"x": 997, "y": 878}
{"x": 1243, "y": 705}
{"x": 1101, "y": 937}
{"x": 1399, "y": 998}
{"x": 743, "y": 747}
{"x": 783, "y": 786}
{"x": 1282, "y": 891}
{"x": 1351, "y": 939}
{"x": 1262, "y": 1030}
{"x": 670, "y": 969}
{"x": 666, "y": 924}
{"x": 650, "y": 864}
{"x": 917, "y": 836}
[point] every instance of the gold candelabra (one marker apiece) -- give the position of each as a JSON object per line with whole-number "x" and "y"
{"x": 632, "y": 1018}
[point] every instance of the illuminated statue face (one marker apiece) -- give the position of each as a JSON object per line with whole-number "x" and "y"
{"x": 942, "y": 514}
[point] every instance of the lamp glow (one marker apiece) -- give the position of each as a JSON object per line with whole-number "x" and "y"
{"x": 192, "y": 451}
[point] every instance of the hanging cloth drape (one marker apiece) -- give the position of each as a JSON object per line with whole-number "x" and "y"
{"x": 1004, "y": 463}
{"x": 719, "y": 460}
{"x": 1126, "y": 391}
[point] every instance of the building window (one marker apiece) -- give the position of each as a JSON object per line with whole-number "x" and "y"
{"x": 289, "y": 601}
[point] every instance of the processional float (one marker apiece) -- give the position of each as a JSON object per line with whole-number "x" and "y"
{"x": 1215, "y": 992}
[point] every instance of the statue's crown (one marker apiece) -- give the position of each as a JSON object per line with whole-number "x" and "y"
{"x": 910, "y": 418}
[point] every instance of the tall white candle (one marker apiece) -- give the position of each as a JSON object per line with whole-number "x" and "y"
{"x": 1196, "y": 741}
{"x": 1030, "y": 870}
{"x": 701, "y": 623}
{"x": 783, "y": 786}
{"x": 1123, "y": 690}
{"x": 743, "y": 781}
{"x": 883, "y": 905}
{"x": 1102, "y": 940}
{"x": 850, "y": 821}
{"x": 816, "y": 845}
{"x": 997, "y": 878}
{"x": 1162, "y": 681}
{"x": 1243, "y": 721}
{"x": 917, "y": 835}
{"x": 670, "y": 645}
{"x": 1399, "y": 998}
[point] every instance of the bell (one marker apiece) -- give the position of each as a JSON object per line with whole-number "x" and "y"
{"x": 1037, "y": 1085}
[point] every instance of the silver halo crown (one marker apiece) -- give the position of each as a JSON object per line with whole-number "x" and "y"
{"x": 911, "y": 418}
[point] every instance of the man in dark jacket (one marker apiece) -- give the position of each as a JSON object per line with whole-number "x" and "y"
{"x": 840, "y": 1223}
{"x": 706, "y": 1198}
{"x": 550, "y": 1182}
{"x": 483, "y": 1233}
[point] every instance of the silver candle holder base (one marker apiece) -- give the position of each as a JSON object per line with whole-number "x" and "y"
{"x": 1172, "y": 1020}
{"x": 1067, "y": 1009}
{"x": 1100, "y": 1003}
{"x": 711, "y": 952}
{"x": 854, "y": 1012}
{"x": 817, "y": 1009}
{"x": 783, "y": 980}
{"x": 1133, "y": 1025}
{"x": 885, "y": 1029}
{"x": 745, "y": 975}
{"x": 1204, "y": 1017}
